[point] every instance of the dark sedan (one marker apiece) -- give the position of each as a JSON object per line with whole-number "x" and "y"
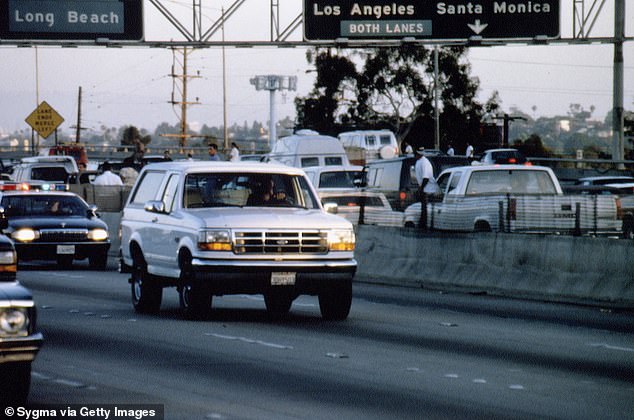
{"x": 19, "y": 341}
{"x": 52, "y": 225}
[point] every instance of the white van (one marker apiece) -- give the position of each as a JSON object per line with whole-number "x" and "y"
{"x": 368, "y": 145}
{"x": 56, "y": 169}
{"x": 308, "y": 148}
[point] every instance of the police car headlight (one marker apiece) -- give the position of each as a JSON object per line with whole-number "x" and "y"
{"x": 97, "y": 234}
{"x": 14, "y": 321}
{"x": 25, "y": 235}
{"x": 214, "y": 240}
{"x": 341, "y": 240}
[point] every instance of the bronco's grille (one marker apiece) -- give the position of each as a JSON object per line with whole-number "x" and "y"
{"x": 281, "y": 242}
{"x": 63, "y": 235}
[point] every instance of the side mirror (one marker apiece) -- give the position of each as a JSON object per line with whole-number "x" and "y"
{"x": 331, "y": 208}
{"x": 92, "y": 211}
{"x": 154, "y": 206}
{"x": 4, "y": 222}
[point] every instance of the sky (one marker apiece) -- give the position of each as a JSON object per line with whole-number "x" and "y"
{"x": 132, "y": 86}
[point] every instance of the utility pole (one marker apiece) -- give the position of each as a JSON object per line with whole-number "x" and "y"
{"x": 78, "y": 128}
{"x": 617, "y": 95}
{"x": 272, "y": 84}
{"x": 184, "y": 78}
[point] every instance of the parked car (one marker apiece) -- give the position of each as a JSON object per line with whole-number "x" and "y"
{"x": 329, "y": 177}
{"x": 50, "y": 169}
{"x": 308, "y": 148}
{"x": 214, "y": 228}
{"x": 350, "y": 203}
{"x": 625, "y": 184}
{"x": 54, "y": 225}
{"x": 514, "y": 198}
{"x": 19, "y": 339}
{"x": 366, "y": 145}
{"x": 501, "y": 156}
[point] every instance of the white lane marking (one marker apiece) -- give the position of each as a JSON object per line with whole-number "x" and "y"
{"x": 452, "y": 376}
{"x": 413, "y": 369}
{"x": 250, "y": 341}
{"x": 610, "y": 347}
{"x": 65, "y": 275}
{"x": 479, "y": 381}
{"x": 70, "y": 383}
{"x": 516, "y": 387}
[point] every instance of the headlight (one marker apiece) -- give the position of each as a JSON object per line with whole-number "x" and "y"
{"x": 341, "y": 240}
{"x": 98, "y": 234}
{"x": 8, "y": 261}
{"x": 25, "y": 235}
{"x": 14, "y": 321}
{"x": 214, "y": 240}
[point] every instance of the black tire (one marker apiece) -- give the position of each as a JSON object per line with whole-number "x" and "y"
{"x": 98, "y": 261}
{"x": 335, "y": 302}
{"x": 195, "y": 299}
{"x": 15, "y": 380}
{"x": 481, "y": 227}
{"x": 628, "y": 229}
{"x": 278, "y": 303}
{"x": 65, "y": 261}
{"x": 146, "y": 294}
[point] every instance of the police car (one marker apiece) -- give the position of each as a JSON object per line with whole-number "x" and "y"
{"x": 47, "y": 222}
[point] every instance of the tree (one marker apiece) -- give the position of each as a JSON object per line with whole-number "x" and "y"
{"x": 131, "y": 136}
{"x": 394, "y": 88}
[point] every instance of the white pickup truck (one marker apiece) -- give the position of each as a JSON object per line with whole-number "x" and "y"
{"x": 215, "y": 228}
{"x": 514, "y": 198}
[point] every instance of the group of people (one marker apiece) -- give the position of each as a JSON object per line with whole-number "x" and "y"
{"x": 234, "y": 152}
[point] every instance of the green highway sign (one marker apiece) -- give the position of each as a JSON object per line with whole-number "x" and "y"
{"x": 433, "y": 20}
{"x": 71, "y": 20}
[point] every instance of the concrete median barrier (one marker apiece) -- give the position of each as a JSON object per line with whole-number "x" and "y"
{"x": 555, "y": 268}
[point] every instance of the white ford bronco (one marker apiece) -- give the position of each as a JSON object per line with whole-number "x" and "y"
{"x": 215, "y": 228}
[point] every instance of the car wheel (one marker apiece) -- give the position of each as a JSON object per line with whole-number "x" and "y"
{"x": 335, "y": 302}
{"x": 15, "y": 379}
{"x": 65, "y": 261}
{"x": 481, "y": 226}
{"x": 146, "y": 295}
{"x": 628, "y": 229}
{"x": 278, "y": 303}
{"x": 99, "y": 261}
{"x": 195, "y": 299}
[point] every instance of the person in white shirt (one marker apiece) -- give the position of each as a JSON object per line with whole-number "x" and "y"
{"x": 469, "y": 152}
{"x": 107, "y": 177}
{"x": 234, "y": 153}
{"x": 427, "y": 184}
{"x": 450, "y": 151}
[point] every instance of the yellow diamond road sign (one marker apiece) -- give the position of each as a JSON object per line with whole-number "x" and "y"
{"x": 44, "y": 119}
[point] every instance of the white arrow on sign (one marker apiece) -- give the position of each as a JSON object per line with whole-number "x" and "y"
{"x": 477, "y": 27}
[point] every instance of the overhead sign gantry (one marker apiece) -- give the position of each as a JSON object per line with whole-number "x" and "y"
{"x": 120, "y": 20}
{"x": 433, "y": 20}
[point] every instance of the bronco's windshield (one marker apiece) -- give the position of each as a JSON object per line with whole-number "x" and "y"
{"x": 247, "y": 190}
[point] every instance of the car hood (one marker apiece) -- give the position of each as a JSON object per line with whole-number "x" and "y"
{"x": 14, "y": 292}
{"x": 56, "y": 223}
{"x": 263, "y": 218}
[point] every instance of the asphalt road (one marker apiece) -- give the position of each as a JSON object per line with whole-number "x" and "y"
{"x": 402, "y": 353}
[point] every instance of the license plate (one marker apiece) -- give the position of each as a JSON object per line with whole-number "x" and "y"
{"x": 282, "y": 278}
{"x": 66, "y": 249}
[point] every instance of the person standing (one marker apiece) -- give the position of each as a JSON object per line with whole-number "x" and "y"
{"x": 469, "y": 152}
{"x": 107, "y": 177}
{"x": 426, "y": 184}
{"x": 234, "y": 154}
{"x": 406, "y": 148}
{"x": 213, "y": 152}
{"x": 450, "y": 150}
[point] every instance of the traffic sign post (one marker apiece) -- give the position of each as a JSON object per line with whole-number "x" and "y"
{"x": 44, "y": 120}
{"x": 71, "y": 20}
{"x": 430, "y": 20}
